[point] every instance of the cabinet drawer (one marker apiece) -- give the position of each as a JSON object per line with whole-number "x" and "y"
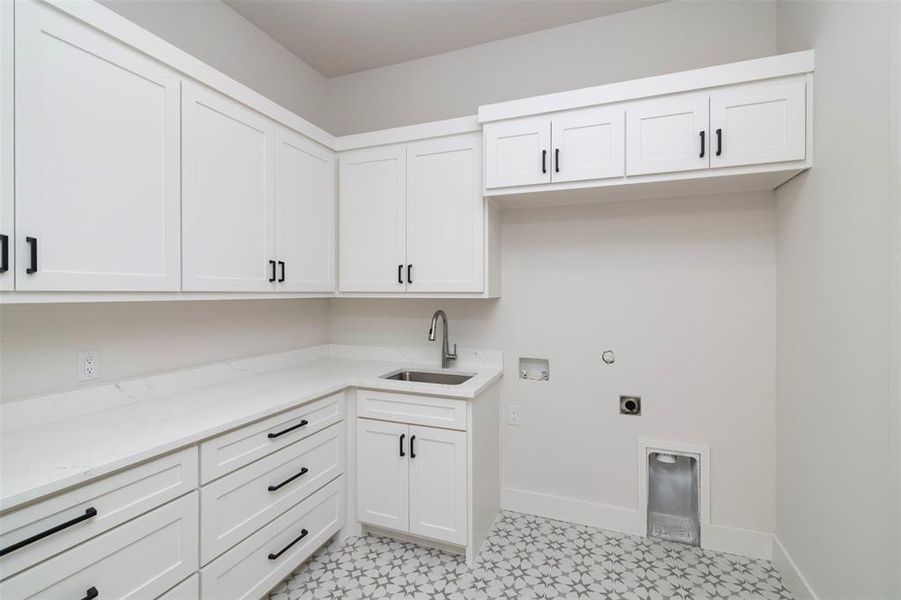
{"x": 240, "y": 503}
{"x": 189, "y": 589}
{"x": 140, "y": 559}
{"x": 112, "y": 501}
{"x": 254, "y": 566}
{"x": 416, "y": 410}
{"x": 235, "y": 449}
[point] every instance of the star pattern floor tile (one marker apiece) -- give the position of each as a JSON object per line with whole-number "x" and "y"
{"x": 532, "y": 558}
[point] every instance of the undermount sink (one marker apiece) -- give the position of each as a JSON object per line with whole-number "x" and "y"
{"x": 429, "y": 377}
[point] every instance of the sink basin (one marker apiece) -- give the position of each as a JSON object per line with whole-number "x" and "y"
{"x": 429, "y": 377}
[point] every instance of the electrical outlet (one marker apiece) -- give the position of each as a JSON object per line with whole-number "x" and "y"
{"x": 513, "y": 415}
{"x": 88, "y": 365}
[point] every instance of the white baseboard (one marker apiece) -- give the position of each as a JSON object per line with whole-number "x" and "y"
{"x": 754, "y": 544}
{"x": 745, "y": 542}
{"x": 571, "y": 510}
{"x": 791, "y": 576}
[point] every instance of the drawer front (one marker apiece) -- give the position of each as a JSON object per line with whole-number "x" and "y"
{"x": 416, "y": 410}
{"x": 189, "y": 589}
{"x": 233, "y": 450}
{"x": 140, "y": 559}
{"x": 114, "y": 499}
{"x": 247, "y": 571}
{"x": 240, "y": 503}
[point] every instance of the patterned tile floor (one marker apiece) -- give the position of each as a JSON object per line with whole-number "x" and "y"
{"x": 528, "y": 557}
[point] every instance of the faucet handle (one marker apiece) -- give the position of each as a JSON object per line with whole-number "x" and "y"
{"x": 454, "y": 353}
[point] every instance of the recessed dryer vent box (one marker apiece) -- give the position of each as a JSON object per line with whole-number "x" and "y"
{"x": 537, "y": 369}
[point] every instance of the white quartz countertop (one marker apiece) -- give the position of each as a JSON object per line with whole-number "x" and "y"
{"x": 55, "y": 442}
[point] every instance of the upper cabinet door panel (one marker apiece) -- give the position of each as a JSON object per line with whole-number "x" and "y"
{"x": 668, "y": 134}
{"x": 445, "y": 215}
{"x": 304, "y": 213}
{"x": 97, "y": 160}
{"x": 7, "y": 190}
{"x": 228, "y": 201}
{"x": 758, "y": 123}
{"x": 517, "y": 152}
{"x": 371, "y": 217}
{"x": 589, "y": 144}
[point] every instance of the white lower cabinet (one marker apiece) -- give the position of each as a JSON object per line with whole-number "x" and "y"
{"x": 254, "y": 566}
{"x": 238, "y": 504}
{"x": 189, "y": 589}
{"x": 383, "y": 474}
{"x": 412, "y": 479}
{"x": 92, "y": 509}
{"x": 438, "y": 484}
{"x": 140, "y": 559}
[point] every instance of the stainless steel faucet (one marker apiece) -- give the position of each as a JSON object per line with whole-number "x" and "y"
{"x": 446, "y": 355}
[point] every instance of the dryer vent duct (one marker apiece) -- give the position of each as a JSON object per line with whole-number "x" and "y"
{"x": 673, "y": 498}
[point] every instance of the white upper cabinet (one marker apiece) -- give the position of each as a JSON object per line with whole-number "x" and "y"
{"x": 304, "y": 213}
{"x": 445, "y": 215}
{"x": 669, "y": 134}
{"x": 97, "y": 159}
{"x": 228, "y": 200}
{"x": 758, "y": 123}
{"x": 7, "y": 189}
{"x": 588, "y": 144}
{"x": 372, "y": 220}
{"x": 517, "y": 152}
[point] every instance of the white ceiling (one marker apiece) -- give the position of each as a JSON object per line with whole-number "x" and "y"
{"x": 337, "y": 37}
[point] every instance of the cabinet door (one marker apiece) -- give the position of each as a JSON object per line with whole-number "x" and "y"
{"x": 228, "y": 239}
{"x": 589, "y": 144}
{"x": 7, "y": 189}
{"x": 438, "y": 484}
{"x": 668, "y": 134}
{"x": 383, "y": 461}
{"x": 758, "y": 123}
{"x": 517, "y": 152}
{"x": 304, "y": 213}
{"x": 371, "y": 216}
{"x": 97, "y": 160}
{"x": 445, "y": 215}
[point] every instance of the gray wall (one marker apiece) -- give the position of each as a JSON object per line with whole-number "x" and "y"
{"x": 649, "y": 41}
{"x": 837, "y": 508}
{"x": 222, "y": 38}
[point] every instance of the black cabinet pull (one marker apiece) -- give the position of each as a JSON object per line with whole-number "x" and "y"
{"x": 272, "y": 266}
{"x": 402, "y": 436}
{"x": 272, "y": 436}
{"x": 91, "y": 593}
{"x": 556, "y": 160}
{"x": 400, "y": 274}
{"x": 33, "y": 248}
{"x": 4, "y": 260}
{"x": 88, "y": 513}
{"x": 409, "y": 273}
{"x": 703, "y": 133}
{"x": 719, "y": 142}
{"x": 412, "y": 451}
{"x": 544, "y": 161}
{"x": 281, "y": 265}
{"x": 303, "y": 471}
{"x": 303, "y": 534}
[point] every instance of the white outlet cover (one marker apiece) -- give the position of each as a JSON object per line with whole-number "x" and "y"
{"x": 88, "y": 365}
{"x": 513, "y": 415}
